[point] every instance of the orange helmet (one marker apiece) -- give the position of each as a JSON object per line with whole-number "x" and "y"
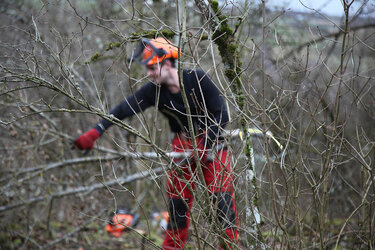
{"x": 154, "y": 51}
{"x": 120, "y": 222}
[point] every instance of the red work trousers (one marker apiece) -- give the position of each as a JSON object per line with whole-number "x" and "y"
{"x": 218, "y": 181}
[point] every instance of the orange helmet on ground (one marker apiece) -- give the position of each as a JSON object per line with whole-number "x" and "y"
{"x": 120, "y": 222}
{"x": 154, "y": 51}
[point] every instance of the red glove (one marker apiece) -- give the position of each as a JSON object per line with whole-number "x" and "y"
{"x": 86, "y": 140}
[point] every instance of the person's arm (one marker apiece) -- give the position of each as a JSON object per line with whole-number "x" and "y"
{"x": 216, "y": 107}
{"x": 141, "y": 100}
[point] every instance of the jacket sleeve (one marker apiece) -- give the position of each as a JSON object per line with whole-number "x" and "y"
{"x": 215, "y": 105}
{"x": 142, "y": 99}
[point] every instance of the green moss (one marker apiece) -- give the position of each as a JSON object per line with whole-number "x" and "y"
{"x": 226, "y": 29}
{"x": 238, "y": 23}
{"x": 223, "y": 19}
{"x": 247, "y": 151}
{"x": 232, "y": 48}
{"x": 17, "y": 242}
{"x": 223, "y": 35}
{"x": 95, "y": 57}
{"x": 230, "y": 73}
{"x": 148, "y": 34}
{"x": 204, "y": 37}
{"x": 255, "y": 199}
{"x": 109, "y": 47}
{"x": 241, "y": 99}
{"x": 153, "y": 33}
{"x": 112, "y": 45}
{"x": 215, "y": 6}
{"x": 224, "y": 39}
{"x": 168, "y": 33}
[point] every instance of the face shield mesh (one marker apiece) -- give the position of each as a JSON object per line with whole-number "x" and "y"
{"x": 147, "y": 54}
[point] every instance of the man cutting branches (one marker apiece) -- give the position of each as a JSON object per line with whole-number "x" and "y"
{"x": 209, "y": 115}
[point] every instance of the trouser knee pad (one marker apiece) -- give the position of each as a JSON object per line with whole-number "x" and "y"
{"x": 177, "y": 214}
{"x": 225, "y": 209}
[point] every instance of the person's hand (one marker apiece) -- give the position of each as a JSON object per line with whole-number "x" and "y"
{"x": 86, "y": 140}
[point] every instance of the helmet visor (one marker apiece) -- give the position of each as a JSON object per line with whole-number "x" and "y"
{"x": 145, "y": 52}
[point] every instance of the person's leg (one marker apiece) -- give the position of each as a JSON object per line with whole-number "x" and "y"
{"x": 218, "y": 177}
{"x": 180, "y": 202}
{"x": 226, "y": 215}
{"x": 177, "y": 230}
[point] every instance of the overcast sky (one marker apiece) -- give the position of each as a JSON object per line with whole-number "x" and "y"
{"x": 329, "y": 7}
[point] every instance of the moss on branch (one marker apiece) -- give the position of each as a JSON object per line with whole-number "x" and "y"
{"x": 223, "y": 37}
{"x": 153, "y": 33}
{"x": 95, "y": 57}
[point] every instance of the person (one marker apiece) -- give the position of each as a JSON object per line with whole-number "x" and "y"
{"x": 209, "y": 115}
